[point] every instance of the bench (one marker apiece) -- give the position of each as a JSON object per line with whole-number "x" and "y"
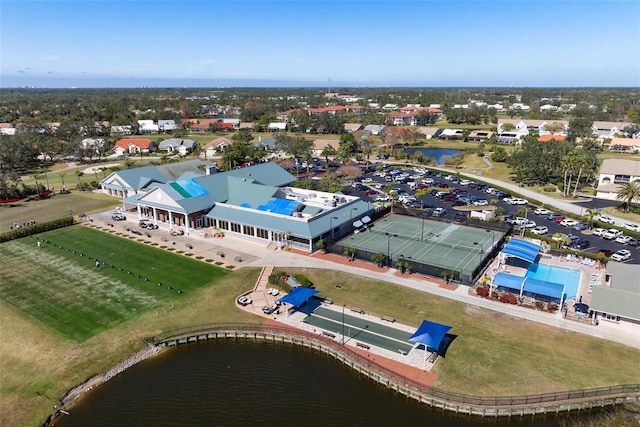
{"x": 433, "y": 357}
{"x": 402, "y": 352}
{"x": 328, "y": 334}
{"x": 362, "y": 345}
{"x": 388, "y": 319}
{"x": 357, "y": 310}
{"x": 328, "y": 301}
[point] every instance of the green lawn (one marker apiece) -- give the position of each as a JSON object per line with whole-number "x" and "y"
{"x": 60, "y": 286}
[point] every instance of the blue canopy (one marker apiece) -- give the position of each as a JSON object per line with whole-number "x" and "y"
{"x": 522, "y": 249}
{"x": 540, "y": 287}
{"x": 298, "y": 296}
{"x": 430, "y": 334}
{"x": 510, "y": 281}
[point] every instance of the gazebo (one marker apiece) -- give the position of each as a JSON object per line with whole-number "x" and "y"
{"x": 430, "y": 335}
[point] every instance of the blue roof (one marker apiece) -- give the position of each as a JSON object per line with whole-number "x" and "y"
{"x": 540, "y": 287}
{"x": 298, "y": 296}
{"x": 534, "y": 286}
{"x": 279, "y": 206}
{"x": 508, "y": 281}
{"x": 522, "y": 249}
{"x": 430, "y": 334}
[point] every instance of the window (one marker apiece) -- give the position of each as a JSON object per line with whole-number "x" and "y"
{"x": 250, "y": 231}
{"x": 236, "y": 228}
{"x": 223, "y": 225}
{"x": 262, "y": 233}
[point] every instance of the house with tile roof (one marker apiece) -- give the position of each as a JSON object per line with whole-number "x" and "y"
{"x": 133, "y": 146}
{"x": 613, "y": 173}
{"x": 480, "y": 135}
{"x": 254, "y": 203}
{"x": 213, "y": 148}
{"x": 352, "y": 127}
{"x": 319, "y": 144}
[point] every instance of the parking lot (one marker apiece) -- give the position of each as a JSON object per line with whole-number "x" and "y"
{"x": 448, "y": 192}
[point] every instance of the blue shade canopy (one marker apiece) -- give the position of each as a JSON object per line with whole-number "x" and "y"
{"x": 298, "y": 296}
{"x": 509, "y": 281}
{"x": 540, "y": 287}
{"x": 522, "y": 249}
{"x": 430, "y": 334}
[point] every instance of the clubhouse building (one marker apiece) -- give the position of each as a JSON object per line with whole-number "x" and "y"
{"x": 255, "y": 202}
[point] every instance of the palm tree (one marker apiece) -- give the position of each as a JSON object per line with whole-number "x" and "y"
{"x": 628, "y": 193}
{"x": 590, "y": 215}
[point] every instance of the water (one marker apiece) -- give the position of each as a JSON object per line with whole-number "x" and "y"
{"x": 238, "y": 382}
{"x": 549, "y": 273}
{"x": 441, "y": 155}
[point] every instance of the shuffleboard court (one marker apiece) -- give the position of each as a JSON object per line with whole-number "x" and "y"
{"x": 358, "y": 334}
{"x": 360, "y": 323}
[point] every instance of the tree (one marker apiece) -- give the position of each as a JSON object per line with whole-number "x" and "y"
{"x": 590, "y": 215}
{"x": 629, "y": 192}
{"x": 378, "y": 258}
{"x": 242, "y": 136}
{"x": 297, "y": 146}
{"x": 349, "y": 144}
{"x": 328, "y": 151}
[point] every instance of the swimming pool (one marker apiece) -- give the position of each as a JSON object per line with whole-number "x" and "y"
{"x": 549, "y": 273}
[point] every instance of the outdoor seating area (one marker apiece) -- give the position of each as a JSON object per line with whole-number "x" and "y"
{"x": 589, "y": 262}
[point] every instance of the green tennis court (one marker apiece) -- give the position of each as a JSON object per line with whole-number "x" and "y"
{"x": 361, "y": 330}
{"x": 444, "y": 245}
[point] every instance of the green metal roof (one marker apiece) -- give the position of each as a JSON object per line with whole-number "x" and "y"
{"x": 624, "y": 276}
{"x": 615, "y": 301}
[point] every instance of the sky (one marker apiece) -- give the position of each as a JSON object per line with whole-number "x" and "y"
{"x": 384, "y": 43}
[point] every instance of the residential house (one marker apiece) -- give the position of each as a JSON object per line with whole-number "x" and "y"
{"x": 524, "y": 127}
{"x": 266, "y": 143}
{"x": 287, "y": 116}
{"x": 430, "y": 131}
{"x": 7, "y": 129}
{"x": 121, "y": 130}
{"x": 624, "y": 145}
{"x": 352, "y": 127}
{"x": 133, "y": 146}
{"x": 451, "y": 134}
{"x": 177, "y": 145}
{"x": 615, "y": 172}
{"x": 602, "y": 130}
{"x": 479, "y": 135}
{"x": 147, "y": 126}
{"x": 277, "y": 127}
{"x": 375, "y": 129}
{"x": 213, "y": 148}
{"x": 319, "y": 144}
{"x": 245, "y": 126}
{"x": 390, "y": 107}
{"x": 332, "y": 109}
{"x": 97, "y": 145}
{"x": 167, "y": 125}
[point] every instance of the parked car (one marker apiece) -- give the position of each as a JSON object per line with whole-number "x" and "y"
{"x": 623, "y": 239}
{"x": 540, "y": 230}
{"x": 118, "y": 217}
{"x": 145, "y": 223}
{"x": 541, "y": 211}
{"x": 621, "y": 255}
{"x": 244, "y": 300}
{"x": 176, "y": 232}
{"x": 634, "y": 241}
{"x": 580, "y": 244}
{"x": 370, "y": 192}
{"x": 581, "y": 226}
{"x": 555, "y": 217}
{"x": 598, "y": 231}
{"x": 631, "y": 226}
{"x": 528, "y": 224}
{"x": 606, "y": 252}
{"x": 611, "y": 234}
{"x": 606, "y": 219}
{"x": 568, "y": 222}
{"x": 439, "y": 212}
{"x": 480, "y": 202}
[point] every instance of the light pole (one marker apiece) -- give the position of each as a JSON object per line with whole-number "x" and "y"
{"x": 422, "y": 232}
{"x": 389, "y": 235}
{"x": 342, "y": 324}
{"x": 331, "y": 225}
{"x": 481, "y": 250}
{"x": 351, "y": 213}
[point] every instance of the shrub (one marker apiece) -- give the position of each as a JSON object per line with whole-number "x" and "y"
{"x": 540, "y": 305}
{"x": 303, "y": 280}
{"x": 482, "y": 292}
{"x": 274, "y": 278}
{"x": 552, "y": 307}
{"x": 508, "y": 298}
{"x": 549, "y": 188}
{"x": 30, "y": 230}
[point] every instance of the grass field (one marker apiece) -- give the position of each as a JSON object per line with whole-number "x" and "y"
{"x": 60, "y": 286}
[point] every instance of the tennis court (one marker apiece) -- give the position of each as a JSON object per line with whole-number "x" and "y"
{"x": 445, "y": 245}
{"x": 360, "y": 329}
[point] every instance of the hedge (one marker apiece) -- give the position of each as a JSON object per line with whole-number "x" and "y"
{"x": 30, "y": 230}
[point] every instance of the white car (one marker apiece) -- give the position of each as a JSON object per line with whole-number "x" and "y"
{"x": 541, "y": 211}
{"x": 623, "y": 239}
{"x": 244, "y": 300}
{"x": 568, "y": 222}
{"x": 481, "y": 202}
{"x": 605, "y": 219}
{"x": 611, "y": 234}
{"x": 381, "y": 198}
{"x": 540, "y": 230}
{"x": 528, "y": 224}
{"x": 621, "y": 255}
{"x": 517, "y": 201}
{"x": 631, "y": 226}
{"x": 598, "y": 231}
